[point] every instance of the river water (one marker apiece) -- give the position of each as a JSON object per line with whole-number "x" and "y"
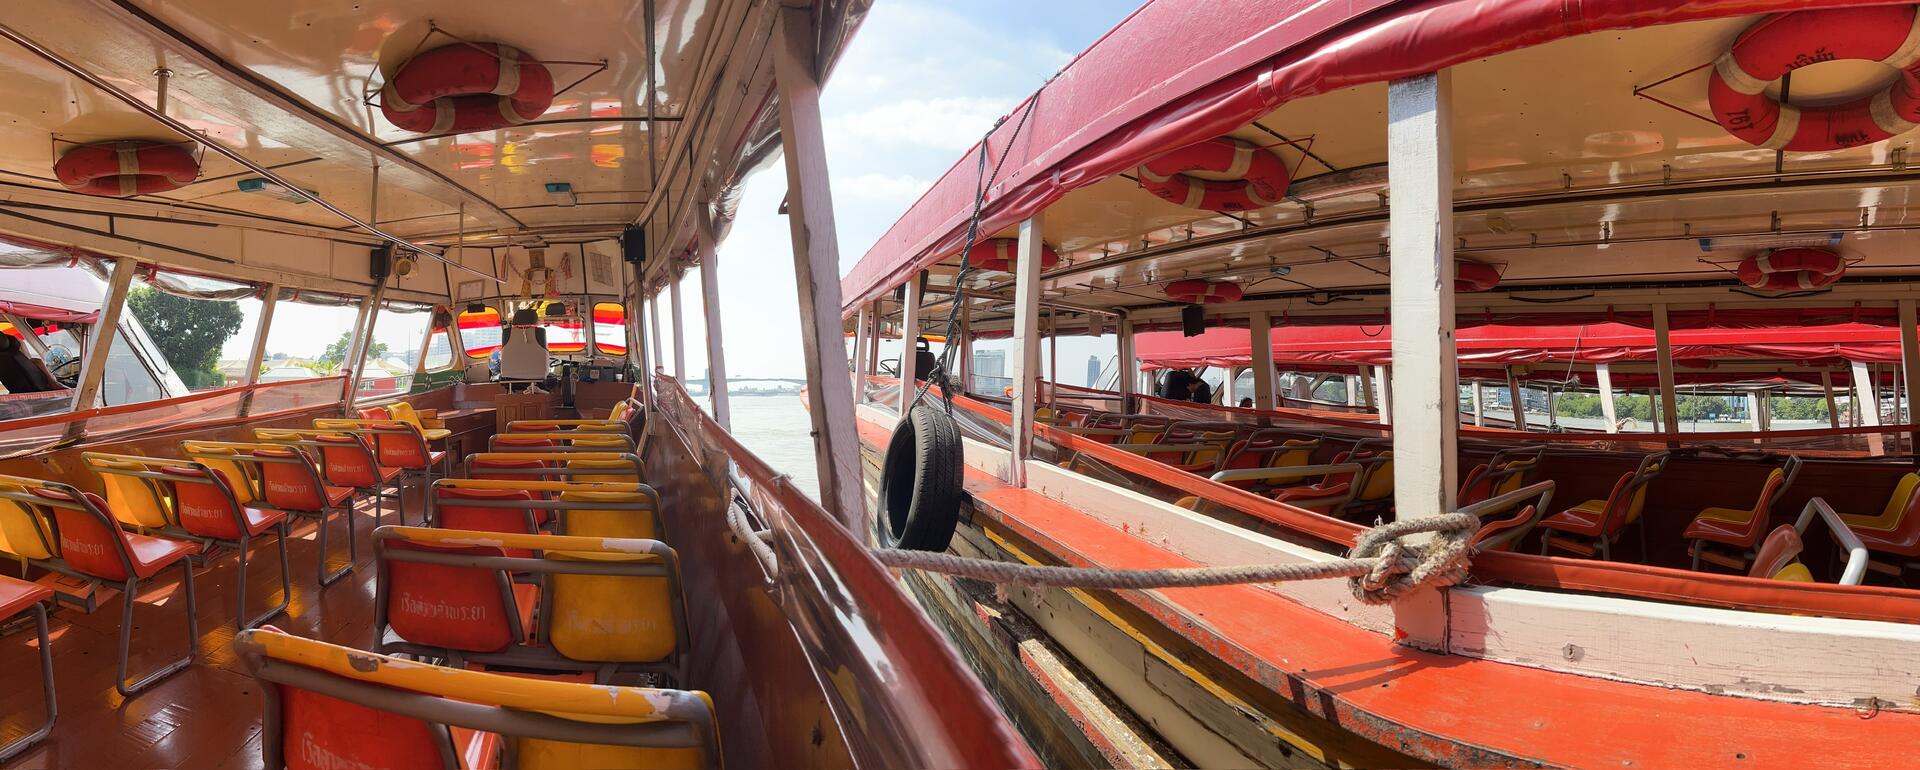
{"x": 777, "y": 429}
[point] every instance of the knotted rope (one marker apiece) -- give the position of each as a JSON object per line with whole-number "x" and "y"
{"x": 1384, "y": 564}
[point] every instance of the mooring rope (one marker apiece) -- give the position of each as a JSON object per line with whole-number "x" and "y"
{"x": 1383, "y": 565}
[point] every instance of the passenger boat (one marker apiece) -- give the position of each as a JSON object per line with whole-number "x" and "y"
{"x": 515, "y": 551}
{"x": 1614, "y": 197}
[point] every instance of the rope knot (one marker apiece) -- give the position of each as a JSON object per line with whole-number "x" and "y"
{"x": 1399, "y": 566}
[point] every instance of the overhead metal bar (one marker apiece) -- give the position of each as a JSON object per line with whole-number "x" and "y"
{"x": 188, "y": 132}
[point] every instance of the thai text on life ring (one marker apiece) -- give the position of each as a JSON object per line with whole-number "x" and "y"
{"x": 1782, "y": 43}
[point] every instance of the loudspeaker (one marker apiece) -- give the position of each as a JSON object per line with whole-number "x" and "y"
{"x": 380, "y": 263}
{"x": 1193, "y": 321}
{"x": 633, "y": 245}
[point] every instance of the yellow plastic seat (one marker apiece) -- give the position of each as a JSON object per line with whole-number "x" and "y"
{"x": 609, "y": 521}
{"x": 1889, "y": 516}
{"x": 130, "y": 499}
{"x": 404, "y": 412}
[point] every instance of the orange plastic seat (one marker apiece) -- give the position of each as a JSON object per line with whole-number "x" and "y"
{"x": 1591, "y": 527}
{"x": 289, "y": 482}
{"x": 448, "y": 608}
{"x": 1505, "y": 472}
{"x": 485, "y": 510}
{"x": 1739, "y": 529}
{"x": 1778, "y": 557}
{"x": 1896, "y": 530}
{"x": 18, "y": 597}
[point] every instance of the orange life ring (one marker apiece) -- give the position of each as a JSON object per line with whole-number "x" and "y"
{"x": 1791, "y": 268}
{"x": 1782, "y": 43}
{"x": 1002, "y": 255}
{"x": 467, "y": 87}
{"x": 128, "y": 167}
{"x": 1260, "y": 177}
{"x": 1474, "y": 276}
{"x": 1195, "y": 291}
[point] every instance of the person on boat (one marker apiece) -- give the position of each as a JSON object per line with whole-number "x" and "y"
{"x": 1246, "y": 403}
{"x": 1176, "y": 385}
{"x": 1198, "y": 391}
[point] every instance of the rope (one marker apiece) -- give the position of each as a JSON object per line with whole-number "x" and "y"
{"x": 1382, "y": 566}
{"x": 756, "y": 540}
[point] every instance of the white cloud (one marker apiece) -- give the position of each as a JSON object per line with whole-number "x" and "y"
{"x": 949, "y": 123}
{"x": 896, "y": 189}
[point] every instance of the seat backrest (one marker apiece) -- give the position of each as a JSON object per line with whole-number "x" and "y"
{"x": 204, "y": 503}
{"x": 609, "y": 514}
{"x": 1377, "y": 479}
{"x": 1897, "y": 504}
{"x": 404, "y": 412}
{"x": 1635, "y": 489}
{"x": 611, "y": 618}
{"x": 464, "y": 607}
{"x": 603, "y": 470}
{"x": 1780, "y": 550}
{"x": 508, "y": 442}
{"x": 242, "y": 478}
{"x": 486, "y": 510}
{"x": 395, "y": 443}
{"x": 90, "y": 541}
{"x": 132, "y": 499}
{"x": 1504, "y": 534}
{"x": 523, "y": 356}
{"x": 289, "y": 482}
{"x": 343, "y": 708}
{"x": 25, "y": 530}
{"x": 346, "y": 460}
{"x": 19, "y": 372}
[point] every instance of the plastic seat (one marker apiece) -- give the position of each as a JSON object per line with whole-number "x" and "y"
{"x": 395, "y": 444}
{"x": 333, "y": 706}
{"x": 485, "y": 510}
{"x": 289, "y": 482}
{"x": 606, "y": 605}
{"x": 1339, "y": 493}
{"x": 1896, "y": 530}
{"x": 425, "y": 421}
{"x": 1778, "y": 557}
{"x": 18, "y": 597}
{"x": 1505, "y": 472}
{"x": 1267, "y": 452}
{"x": 346, "y": 461}
{"x": 92, "y": 546}
{"x": 1591, "y": 527}
{"x": 199, "y": 505}
{"x": 1739, "y": 528}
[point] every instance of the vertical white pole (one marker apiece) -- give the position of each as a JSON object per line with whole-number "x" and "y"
{"x": 1383, "y": 392}
{"x": 1263, "y": 380}
{"x": 873, "y": 339}
{"x": 1604, "y": 374}
{"x": 1128, "y": 366}
{"x": 1868, "y": 402}
{"x": 963, "y": 357}
{"x": 1026, "y": 341}
{"x": 358, "y": 360}
{"x": 860, "y": 351}
{"x": 710, "y": 305}
{"x": 816, "y": 264}
{"x": 1754, "y": 420}
{"x": 1425, "y": 392}
{"x": 1479, "y": 404}
{"x": 93, "y": 371}
{"x": 1910, "y": 357}
{"x": 258, "y": 355}
{"x": 1833, "y": 411}
{"x": 1653, "y": 409}
{"x": 1053, "y": 356}
{"x": 1663, "y": 360}
{"x": 636, "y": 328}
{"x": 1353, "y": 388}
{"x": 909, "y": 332}
{"x": 679, "y": 331}
{"x": 653, "y": 320}
{"x": 1519, "y": 402}
{"x": 1366, "y": 388}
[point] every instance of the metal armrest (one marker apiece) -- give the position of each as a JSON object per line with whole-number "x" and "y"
{"x": 1856, "y": 569}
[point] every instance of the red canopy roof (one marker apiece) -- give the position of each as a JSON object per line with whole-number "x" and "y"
{"x": 1170, "y": 75}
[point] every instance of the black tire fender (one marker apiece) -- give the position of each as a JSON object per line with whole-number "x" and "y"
{"x": 920, "y": 482}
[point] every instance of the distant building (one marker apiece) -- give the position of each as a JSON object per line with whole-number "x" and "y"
{"x": 990, "y": 363}
{"x": 1093, "y": 371}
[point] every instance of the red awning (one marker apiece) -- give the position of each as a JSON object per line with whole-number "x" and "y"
{"x": 1177, "y": 73}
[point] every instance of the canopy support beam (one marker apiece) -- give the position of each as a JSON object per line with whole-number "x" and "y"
{"x": 1366, "y": 388}
{"x": 909, "y": 344}
{"x": 1423, "y": 392}
{"x": 710, "y": 304}
{"x": 860, "y": 332}
{"x": 1383, "y": 384}
{"x": 873, "y": 339}
{"x": 679, "y": 330}
{"x": 1519, "y": 403}
{"x": 94, "y": 370}
{"x": 1663, "y": 360}
{"x": 1127, "y": 363}
{"x": 1867, "y": 401}
{"x": 359, "y": 358}
{"x": 1261, "y": 322}
{"x": 1603, "y": 374}
{"x": 1909, "y": 361}
{"x": 653, "y": 320}
{"x": 963, "y": 358}
{"x": 1026, "y": 340}
{"x": 257, "y": 356}
{"x": 816, "y": 266}
{"x": 1479, "y": 404}
{"x": 1833, "y": 411}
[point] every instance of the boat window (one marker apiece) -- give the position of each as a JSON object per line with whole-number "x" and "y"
{"x": 397, "y": 337}
{"x": 610, "y": 329}
{"x": 205, "y": 342}
{"x": 439, "y": 351}
{"x": 128, "y": 380}
{"x": 307, "y": 340}
{"x": 479, "y": 330}
{"x": 566, "y": 333}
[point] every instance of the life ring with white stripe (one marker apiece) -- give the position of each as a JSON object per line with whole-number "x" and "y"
{"x": 1195, "y": 291}
{"x": 1003, "y": 255}
{"x": 1791, "y": 268}
{"x": 1474, "y": 276}
{"x": 1258, "y": 177}
{"x": 128, "y": 167}
{"x": 1782, "y": 43}
{"x": 467, "y": 87}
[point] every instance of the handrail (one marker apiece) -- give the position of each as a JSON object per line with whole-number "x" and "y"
{"x": 1287, "y": 472}
{"x": 1856, "y": 569}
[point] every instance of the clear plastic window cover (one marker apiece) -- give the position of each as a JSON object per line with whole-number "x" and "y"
{"x": 268, "y": 400}
{"x": 20, "y": 253}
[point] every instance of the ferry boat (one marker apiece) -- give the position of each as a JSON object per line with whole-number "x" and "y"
{"x": 516, "y": 551}
{"x": 1385, "y": 219}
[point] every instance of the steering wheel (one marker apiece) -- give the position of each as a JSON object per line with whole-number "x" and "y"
{"x": 67, "y": 373}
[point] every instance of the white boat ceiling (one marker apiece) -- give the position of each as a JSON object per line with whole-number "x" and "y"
{"x": 285, "y": 84}
{"x": 1569, "y": 182}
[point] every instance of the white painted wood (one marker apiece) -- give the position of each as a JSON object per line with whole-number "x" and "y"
{"x": 963, "y": 358}
{"x": 1833, "y": 410}
{"x": 1663, "y": 358}
{"x": 1603, "y": 373}
{"x": 1866, "y": 402}
{"x": 1910, "y": 358}
{"x": 653, "y": 320}
{"x": 1753, "y": 654}
{"x": 93, "y": 371}
{"x": 1755, "y": 421}
{"x": 1053, "y": 356}
{"x": 1128, "y": 365}
{"x": 710, "y": 306}
{"x": 1261, "y": 322}
{"x": 816, "y": 267}
{"x": 873, "y": 339}
{"x": 257, "y": 356}
{"x": 1383, "y": 393}
{"x": 357, "y": 361}
{"x": 909, "y": 335}
{"x": 1026, "y": 343}
{"x": 679, "y": 329}
{"x": 1366, "y": 387}
{"x": 860, "y": 332}
{"x": 1514, "y": 395}
{"x": 1479, "y": 404}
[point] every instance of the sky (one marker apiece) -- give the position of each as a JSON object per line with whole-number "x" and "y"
{"x": 922, "y": 81}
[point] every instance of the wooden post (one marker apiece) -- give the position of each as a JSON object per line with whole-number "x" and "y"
{"x": 679, "y": 331}
{"x": 710, "y": 305}
{"x": 1867, "y": 401}
{"x": 358, "y": 360}
{"x": 1366, "y": 388}
{"x": 963, "y": 357}
{"x": 816, "y": 264}
{"x": 1909, "y": 361}
{"x": 1833, "y": 410}
{"x": 909, "y": 333}
{"x": 873, "y": 340}
{"x": 859, "y": 373}
{"x": 1129, "y": 374}
{"x": 1383, "y": 387}
{"x": 1653, "y": 409}
{"x": 653, "y": 320}
{"x": 1263, "y": 381}
{"x": 1479, "y": 404}
{"x": 1604, "y": 375}
{"x": 1519, "y": 401}
{"x": 1663, "y": 360}
{"x": 1026, "y": 341}
{"x": 93, "y": 370}
{"x": 1053, "y": 357}
{"x": 257, "y": 356}
{"x": 1425, "y": 393}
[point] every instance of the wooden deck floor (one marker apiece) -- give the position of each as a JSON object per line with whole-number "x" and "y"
{"x": 206, "y": 716}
